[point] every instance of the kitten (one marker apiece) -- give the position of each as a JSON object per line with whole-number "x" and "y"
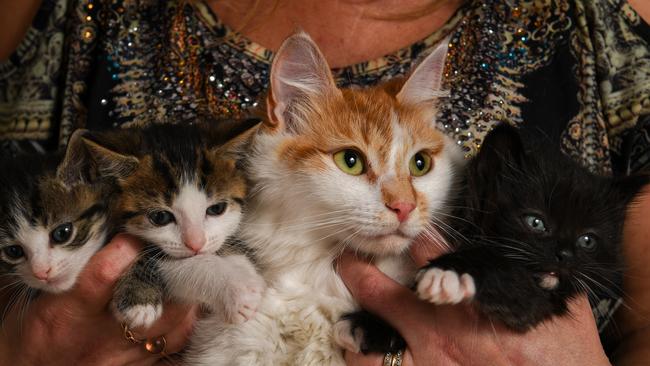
{"x": 544, "y": 230}
{"x": 183, "y": 194}
{"x": 332, "y": 169}
{"x": 52, "y": 220}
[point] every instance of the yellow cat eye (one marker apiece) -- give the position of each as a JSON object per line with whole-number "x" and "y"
{"x": 420, "y": 164}
{"x": 349, "y": 161}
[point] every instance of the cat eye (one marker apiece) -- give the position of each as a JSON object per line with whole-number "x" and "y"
{"x": 14, "y": 252}
{"x": 161, "y": 218}
{"x": 587, "y": 242}
{"x": 61, "y": 233}
{"x": 420, "y": 164}
{"x": 218, "y": 209}
{"x": 535, "y": 223}
{"x": 350, "y": 161}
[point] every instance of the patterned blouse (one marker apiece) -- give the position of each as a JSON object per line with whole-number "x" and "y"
{"x": 577, "y": 71}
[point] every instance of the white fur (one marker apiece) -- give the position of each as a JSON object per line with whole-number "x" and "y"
{"x": 140, "y": 316}
{"x": 229, "y": 286}
{"x": 299, "y": 221}
{"x": 445, "y": 287}
{"x": 189, "y": 209}
{"x": 64, "y": 264}
{"x": 298, "y": 224}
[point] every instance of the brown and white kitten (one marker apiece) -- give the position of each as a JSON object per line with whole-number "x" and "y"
{"x": 183, "y": 194}
{"x": 333, "y": 169}
{"x": 52, "y": 220}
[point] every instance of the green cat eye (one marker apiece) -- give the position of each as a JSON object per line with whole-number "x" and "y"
{"x": 350, "y": 161}
{"x": 14, "y": 252}
{"x": 420, "y": 164}
{"x": 535, "y": 223}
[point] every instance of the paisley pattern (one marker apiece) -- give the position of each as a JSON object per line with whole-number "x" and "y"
{"x": 577, "y": 72}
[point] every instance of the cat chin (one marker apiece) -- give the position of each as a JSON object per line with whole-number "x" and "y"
{"x": 382, "y": 245}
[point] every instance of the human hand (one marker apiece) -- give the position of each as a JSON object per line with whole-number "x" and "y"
{"x": 78, "y": 327}
{"x": 458, "y": 335}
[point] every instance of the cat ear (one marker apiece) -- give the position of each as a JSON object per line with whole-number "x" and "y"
{"x": 298, "y": 74}
{"x": 105, "y": 162}
{"x": 425, "y": 83}
{"x": 86, "y": 161}
{"x": 501, "y": 149}
{"x": 71, "y": 170}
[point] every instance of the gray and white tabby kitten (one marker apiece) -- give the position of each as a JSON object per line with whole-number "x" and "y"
{"x": 182, "y": 193}
{"x": 52, "y": 220}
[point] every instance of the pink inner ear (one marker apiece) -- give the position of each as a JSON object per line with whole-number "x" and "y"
{"x": 299, "y": 72}
{"x": 425, "y": 83}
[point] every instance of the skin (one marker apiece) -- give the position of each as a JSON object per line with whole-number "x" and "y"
{"x": 78, "y": 327}
{"x": 457, "y": 335}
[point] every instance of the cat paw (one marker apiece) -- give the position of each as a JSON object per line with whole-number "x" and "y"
{"x": 140, "y": 316}
{"x": 246, "y": 297}
{"x": 445, "y": 287}
{"x": 345, "y": 338}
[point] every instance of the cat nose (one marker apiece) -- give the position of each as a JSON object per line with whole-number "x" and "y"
{"x": 564, "y": 255}
{"x": 401, "y": 209}
{"x": 195, "y": 242}
{"x": 42, "y": 274}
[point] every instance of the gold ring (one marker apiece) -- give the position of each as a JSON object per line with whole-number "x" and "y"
{"x": 154, "y": 345}
{"x": 391, "y": 359}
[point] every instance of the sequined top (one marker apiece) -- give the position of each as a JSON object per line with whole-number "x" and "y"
{"x": 575, "y": 71}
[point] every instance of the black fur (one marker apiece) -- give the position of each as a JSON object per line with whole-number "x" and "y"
{"x": 506, "y": 183}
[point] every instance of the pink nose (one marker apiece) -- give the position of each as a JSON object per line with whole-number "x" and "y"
{"x": 401, "y": 209}
{"x": 194, "y": 242}
{"x": 43, "y": 274}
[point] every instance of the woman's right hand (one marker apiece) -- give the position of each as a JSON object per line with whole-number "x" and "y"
{"x": 78, "y": 327}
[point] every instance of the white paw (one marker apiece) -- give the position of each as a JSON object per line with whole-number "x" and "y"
{"x": 344, "y": 337}
{"x": 140, "y": 316}
{"x": 246, "y": 296}
{"x": 445, "y": 287}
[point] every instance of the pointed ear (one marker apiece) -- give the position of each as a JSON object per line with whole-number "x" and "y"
{"x": 71, "y": 170}
{"x": 425, "y": 83}
{"x": 299, "y": 73}
{"x": 502, "y": 148}
{"x": 86, "y": 160}
{"x": 105, "y": 162}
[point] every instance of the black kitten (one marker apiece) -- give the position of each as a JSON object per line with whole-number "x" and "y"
{"x": 535, "y": 230}
{"x": 543, "y": 230}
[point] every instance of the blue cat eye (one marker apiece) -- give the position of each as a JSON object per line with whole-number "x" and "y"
{"x": 535, "y": 223}
{"x": 216, "y": 210}
{"x": 61, "y": 233}
{"x": 14, "y": 252}
{"x": 587, "y": 242}
{"x": 161, "y": 218}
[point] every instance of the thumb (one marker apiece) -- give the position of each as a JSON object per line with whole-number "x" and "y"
{"x": 380, "y": 295}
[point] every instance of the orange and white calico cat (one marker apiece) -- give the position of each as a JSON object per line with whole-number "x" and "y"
{"x": 332, "y": 169}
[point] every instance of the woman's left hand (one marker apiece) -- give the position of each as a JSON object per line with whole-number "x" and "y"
{"x": 457, "y": 335}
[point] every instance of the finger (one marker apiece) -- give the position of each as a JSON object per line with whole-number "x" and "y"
{"x": 174, "y": 316}
{"x": 94, "y": 288}
{"x": 374, "y": 359}
{"x": 425, "y": 249}
{"x": 381, "y": 295}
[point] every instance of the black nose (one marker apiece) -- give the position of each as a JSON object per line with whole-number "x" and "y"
{"x": 564, "y": 255}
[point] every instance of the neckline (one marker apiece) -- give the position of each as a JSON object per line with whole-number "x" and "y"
{"x": 401, "y": 56}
